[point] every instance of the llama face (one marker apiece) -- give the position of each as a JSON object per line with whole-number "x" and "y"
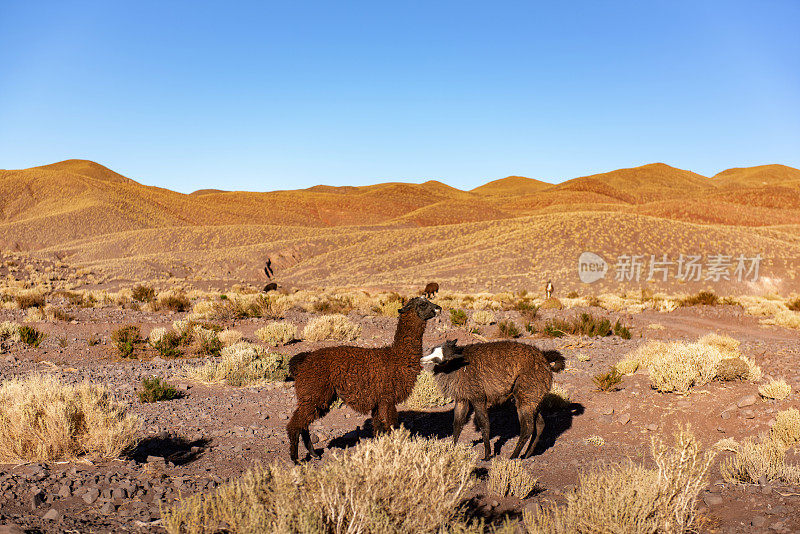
{"x": 424, "y": 308}
{"x": 436, "y": 356}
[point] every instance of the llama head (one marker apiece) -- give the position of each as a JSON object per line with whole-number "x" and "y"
{"x": 424, "y": 308}
{"x": 444, "y": 352}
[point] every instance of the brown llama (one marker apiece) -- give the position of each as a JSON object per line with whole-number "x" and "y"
{"x": 488, "y": 374}
{"x": 272, "y": 286}
{"x": 431, "y": 289}
{"x": 369, "y": 380}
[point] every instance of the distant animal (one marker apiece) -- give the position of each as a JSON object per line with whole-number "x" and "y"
{"x": 272, "y": 286}
{"x": 431, "y": 289}
{"x": 268, "y": 269}
{"x": 488, "y": 374}
{"x": 548, "y": 289}
{"x": 369, "y": 380}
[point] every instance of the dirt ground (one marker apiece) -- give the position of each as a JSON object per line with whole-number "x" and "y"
{"x": 215, "y": 432}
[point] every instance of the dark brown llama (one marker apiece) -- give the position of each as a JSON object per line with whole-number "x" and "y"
{"x": 272, "y": 286}
{"x": 488, "y": 374}
{"x": 369, "y": 380}
{"x": 431, "y": 289}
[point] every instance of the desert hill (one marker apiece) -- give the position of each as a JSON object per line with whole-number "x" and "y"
{"x": 507, "y": 233}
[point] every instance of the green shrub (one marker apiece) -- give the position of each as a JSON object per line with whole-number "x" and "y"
{"x": 458, "y": 317}
{"x": 31, "y": 336}
{"x": 706, "y": 298}
{"x": 608, "y": 381}
{"x": 126, "y": 339}
{"x": 169, "y": 345}
{"x": 154, "y": 390}
{"x": 143, "y": 293}
{"x": 508, "y": 329}
{"x": 621, "y": 330}
{"x": 585, "y": 324}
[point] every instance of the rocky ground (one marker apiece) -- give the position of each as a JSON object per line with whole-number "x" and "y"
{"x": 215, "y": 432}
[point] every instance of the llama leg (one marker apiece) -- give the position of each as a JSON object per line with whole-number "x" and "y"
{"x": 301, "y": 418}
{"x": 307, "y": 442}
{"x": 539, "y": 431}
{"x": 460, "y": 413}
{"x": 388, "y": 414}
{"x": 377, "y": 422}
{"x": 482, "y": 418}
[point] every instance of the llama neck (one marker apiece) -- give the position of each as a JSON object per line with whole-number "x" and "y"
{"x": 408, "y": 337}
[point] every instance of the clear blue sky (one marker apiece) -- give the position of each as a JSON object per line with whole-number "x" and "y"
{"x": 278, "y": 95}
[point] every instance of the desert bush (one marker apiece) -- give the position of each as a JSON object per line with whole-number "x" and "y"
{"x": 508, "y": 329}
{"x": 389, "y": 307}
{"x": 238, "y": 306}
{"x": 332, "y": 304}
{"x": 784, "y": 318}
{"x": 794, "y": 304}
{"x": 775, "y": 389}
{"x": 229, "y": 337}
{"x": 208, "y": 339}
{"x": 527, "y": 308}
{"x": 426, "y": 393}
{"x": 336, "y": 327}
{"x": 759, "y": 460}
{"x": 43, "y": 420}
{"x": 30, "y": 299}
{"x": 30, "y": 336}
{"x": 278, "y": 333}
{"x": 705, "y": 298}
{"x": 631, "y": 498}
{"x": 242, "y": 364}
{"x": 176, "y": 301}
{"x": 169, "y": 345}
{"x": 156, "y": 334}
{"x": 394, "y": 483}
{"x": 155, "y": 390}
{"x": 597, "y": 441}
{"x": 585, "y": 324}
{"x": 509, "y": 477}
{"x": 787, "y": 427}
{"x": 573, "y": 295}
{"x": 54, "y": 313}
{"x": 677, "y": 366}
{"x": 458, "y": 317}
{"x": 620, "y": 330}
{"x": 9, "y": 330}
{"x": 483, "y": 317}
{"x": 608, "y": 381}
{"x": 126, "y": 339}
{"x": 142, "y": 293}
{"x": 551, "y": 304}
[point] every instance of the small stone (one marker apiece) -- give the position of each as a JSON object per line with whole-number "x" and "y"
{"x": 606, "y": 410}
{"x": 37, "y": 499}
{"x": 64, "y": 492}
{"x": 11, "y": 528}
{"x": 91, "y": 495}
{"x": 712, "y": 500}
{"x": 748, "y": 400}
{"x": 652, "y": 427}
{"x": 155, "y": 460}
{"x": 766, "y": 490}
{"x": 494, "y": 503}
{"x": 108, "y": 508}
{"x": 623, "y": 419}
{"x": 52, "y": 515}
{"x": 726, "y": 415}
{"x": 758, "y": 521}
{"x": 748, "y": 414}
{"x": 605, "y": 419}
{"x": 720, "y": 429}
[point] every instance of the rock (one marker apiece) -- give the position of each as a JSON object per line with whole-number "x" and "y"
{"x": 748, "y": 414}
{"x": 37, "y": 499}
{"x": 758, "y": 521}
{"x": 623, "y": 419}
{"x": 64, "y": 492}
{"x": 119, "y": 493}
{"x": 652, "y": 427}
{"x": 712, "y": 500}
{"x": 155, "y": 460}
{"x": 607, "y": 419}
{"x": 748, "y": 400}
{"x": 11, "y": 528}
{"x": 91, "y": 495}
{"x": 726, "y": 415}
{"x": 606, "y": 410}
{"x": 766, "y": 490}
{"x": 52, "y": 515}
{"x": 108, "y": 508}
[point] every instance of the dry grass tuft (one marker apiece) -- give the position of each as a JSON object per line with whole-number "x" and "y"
{"x": 230, "y": 337}
{"x": 775, "y": 389}
{"x": 43, "y": 420}
{"x": 632, "y": 498}
{"x": 483, "y": 317}
{"x": 760, "y": 460}
{"x": 336, "y": 327}
{"x": 278, "y": 333}
{"x": 9, "y": 330}
{"x": 242, "y": 364}
{"x": 509, "y": 477}
{"x": 426, "y": 393}
{"x": 30, "y": 299}
{"x": 787, "y": 427}
{"x": 785, "y": 318}
{"x": 393, "y": 484}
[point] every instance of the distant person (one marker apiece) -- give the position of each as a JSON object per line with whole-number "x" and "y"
{"x": 548, "y": 290}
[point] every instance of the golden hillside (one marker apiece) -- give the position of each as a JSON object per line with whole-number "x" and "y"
{"x": 510, "y": 233}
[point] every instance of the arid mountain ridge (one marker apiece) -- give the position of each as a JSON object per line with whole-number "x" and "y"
{"x": 84, "y": 212}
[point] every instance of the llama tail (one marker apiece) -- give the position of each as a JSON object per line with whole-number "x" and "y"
{"x": 556, "y": 360}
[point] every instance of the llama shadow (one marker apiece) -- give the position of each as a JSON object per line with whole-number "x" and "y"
{"x": 172, "y": 448}
{"x": 502, "y": 419}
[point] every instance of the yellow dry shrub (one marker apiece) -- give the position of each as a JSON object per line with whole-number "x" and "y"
{"x": 775, "y": 389}
{"x": 242, "y": 364}
{"x": 392, "y": 484}
{"x": 426, "y": 393}
{"x": 34, "y": 315}
{"x": 230, "y": 337}
{"x": 156, "y": 334}
{"x": 278, "y": 333}
{"x": 784, "y": 318}
{"x": 631, "y": 498}
{"x": 9, "y": 330}
{"x": 336, "y": 327}
{"x": 43, "y": 420}
{"x": 509, "y": 477}
{"x": 482, "y": 317}
{"x": 787, "y": 427}
{"x": 760, "y": 306}
{"x": 759, "y": 460}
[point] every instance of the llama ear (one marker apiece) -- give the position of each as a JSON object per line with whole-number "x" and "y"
{"x": 406, "y": 307}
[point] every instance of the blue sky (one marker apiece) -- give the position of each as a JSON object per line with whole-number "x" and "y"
{"x": 282, "y": 95}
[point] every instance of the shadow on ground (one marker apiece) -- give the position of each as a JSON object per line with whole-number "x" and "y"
{"x": 171, "y": 447}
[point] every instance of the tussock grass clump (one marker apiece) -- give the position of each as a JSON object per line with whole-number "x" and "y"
{"x": 126, "y": 340}
{"x": 30, "y": 336}
{"x": 760, "y": 460}
{"x": 241, "y": 306}
{"x": 155, "y": 390}
{"x": 9, "y": 330}
{"x": 787, "y": 427}
{"x": 608, "y": 381}
{"x": 394, "y": 483}
{"x": 331, "y": 304}
{"x": 508, "y": 329}
{"x": 775, "y": 389}
{"x": 702, "y": 298}
{"x": 278, "y": 333}
{"x": 54, "y": 313}
{"x": 208, "y": 340}
{"x": 43, "y": 420}
{"x": 426, "y": 393}
{"x": 483, "y": 317}
{"x": 389, "y": 307}
{"x": 230, "y": 337}
{"x": 242, "y": 364}
{"x": 784, "y": 318}
{"x": 551, "y": 304}
{"x": 458, "y": 317}
{"x": 176, "y": 301}
{"x": 336, "y": 327}
{"x": 142, "y": 293}
{"x": 793, "y": 304}
{"x": 169, "y": 345}
{"x": 526, "y": 308}
{"x": 632, "y": 498}
{"x": 509, "y": 477}
{"x": 677, "y": 366}
{"x": 585, "y": 324}
{"x": 30, "y": 299}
